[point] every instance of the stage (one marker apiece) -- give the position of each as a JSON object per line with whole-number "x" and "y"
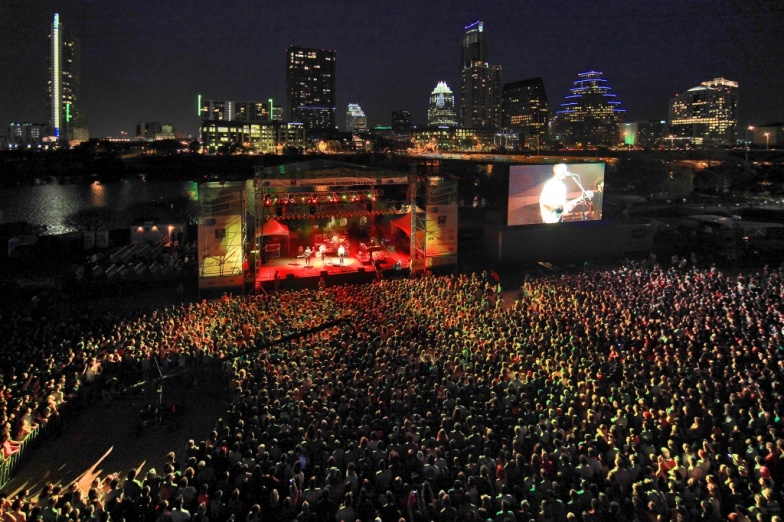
{"x": 291, "y": 268}
{"x": 255, "y": 233}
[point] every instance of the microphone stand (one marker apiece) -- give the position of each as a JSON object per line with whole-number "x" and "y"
{"x": 583, "y": 195}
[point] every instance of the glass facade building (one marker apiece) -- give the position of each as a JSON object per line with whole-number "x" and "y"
{"x": 270, "y": 137}
{"x": 441, "y": 109}
{"x": 66, "y": 117}
{"x": 480, "y": 105}
{"x": 706, "y": 114}
{"x": 356, "y": 121}
{"x": 590, "y": 115}
{"x": 255, "y": 111}
{"x": 401, "y": 120}
{"x": 310, "y": 87}
{"x": 526, "y": 111}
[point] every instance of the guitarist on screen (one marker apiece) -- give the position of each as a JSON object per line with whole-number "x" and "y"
{"x": 552, "y": 201}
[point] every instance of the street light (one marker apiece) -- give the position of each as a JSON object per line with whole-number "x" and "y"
{"x": 748, "y": 142}
{"x": 767, "y": 141}
{"x": 538, "y": 153}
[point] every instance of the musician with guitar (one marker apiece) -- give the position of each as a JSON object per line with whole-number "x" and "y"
{"x": 553, "y": 202}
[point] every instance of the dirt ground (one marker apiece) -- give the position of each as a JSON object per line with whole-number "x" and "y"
{"x": 100, "y": 439}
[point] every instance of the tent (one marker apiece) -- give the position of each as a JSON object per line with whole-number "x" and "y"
{"x": 403, "y": 223}
{"x": 273, "y": 227}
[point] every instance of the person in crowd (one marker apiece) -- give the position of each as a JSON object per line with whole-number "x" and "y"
{"x": 638, "y": 393}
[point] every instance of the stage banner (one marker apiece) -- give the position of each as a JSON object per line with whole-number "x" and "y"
{"x": 220, "y": 235}
{"x": 441, "y": 234}
{"x": 314, "y": 180}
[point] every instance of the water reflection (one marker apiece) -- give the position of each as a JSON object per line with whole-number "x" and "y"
{"x": 50, "y": 205}
{"x": 98, "y": 193}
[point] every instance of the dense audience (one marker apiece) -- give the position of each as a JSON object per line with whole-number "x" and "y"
{"x": 636, "y": 394}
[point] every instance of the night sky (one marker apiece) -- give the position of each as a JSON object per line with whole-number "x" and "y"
{"x": 148, "y": 60}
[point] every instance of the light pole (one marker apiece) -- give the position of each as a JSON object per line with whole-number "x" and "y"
{"x": 767, "y": 141}
{"x": 538, "y": 153}
{"x": 748, "y": 142}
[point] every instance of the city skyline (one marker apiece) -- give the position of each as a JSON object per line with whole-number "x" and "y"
{"x": 149, "y": 61}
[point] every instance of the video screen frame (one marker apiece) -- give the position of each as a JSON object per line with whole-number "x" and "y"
{"x": 555, "y": 193}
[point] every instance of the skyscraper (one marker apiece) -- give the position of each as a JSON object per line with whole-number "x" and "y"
{"x": 525, "y": 111}
{"x": 474, "y": 45}
{"x": 230, "y": 110}
{"x": 441, "y": 110}
{"x": 706, "y": 114}
{"x": 356, "y": 121}
{"x": 66, "y": 119}
{"x": 310, "y": 87}
{"x": 590, "y": 114}
{"x": 480, "y": 106}
{"x": 401, "y": 120}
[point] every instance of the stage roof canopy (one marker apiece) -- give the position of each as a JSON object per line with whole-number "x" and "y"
{"x": 403, "y": 223}
{"x": 273, "y": 227}
{"x": 323, "y": 172}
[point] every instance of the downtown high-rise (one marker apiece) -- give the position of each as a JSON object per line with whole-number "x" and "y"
{"x": 441, "y": 109}
{"x": 526, "y": 111}
{"x": 401, "y": 120}
{"x": 590, "y": 115}
{"x": 310, "y": 87}
{"x": 706, "y": 114}
{"x": 356, "y": 121}
{"x": 480, "y": 104}
{"x": 231, "y": 110}
{"x": 66, "y": 117}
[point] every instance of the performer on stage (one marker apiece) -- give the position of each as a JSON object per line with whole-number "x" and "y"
{"x": 341, "y": 253}
{"x": 552, "y": 201}
{"x": 322, "y": 252}
{"x": 308, "y": 253}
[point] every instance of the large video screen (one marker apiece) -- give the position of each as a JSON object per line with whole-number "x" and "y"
{"x": 556, "y": 193}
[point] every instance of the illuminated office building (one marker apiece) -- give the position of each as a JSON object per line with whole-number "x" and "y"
{"x": 706, "y": 114}
{"x": 525, "y": 111}
{"x": 480, "y": 106}
{"x": 444, "y": 138}
{"x": 441, "y": 109}
{"x": 646, "y": 133}
{"x": 66, "y": 118}
{"x": 590, "y": 115}
{"x": 356, "y": 121}
{"x": 25, "y": 135}
{"x": 310, "y": 87}
{"x": 269, "y": 137}
{"x": 154, "y": 131}
{"x": 229, "y": 110}
{"x": 401, "y": 120}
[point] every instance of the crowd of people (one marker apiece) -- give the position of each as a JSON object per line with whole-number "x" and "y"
{"x": 643, "y": 393}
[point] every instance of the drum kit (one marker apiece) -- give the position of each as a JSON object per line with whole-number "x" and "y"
{"x": 332, "y": 244}
{"x": 331, "y": 247}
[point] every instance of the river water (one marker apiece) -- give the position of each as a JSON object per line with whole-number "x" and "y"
{"x": 51, "y": 204}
